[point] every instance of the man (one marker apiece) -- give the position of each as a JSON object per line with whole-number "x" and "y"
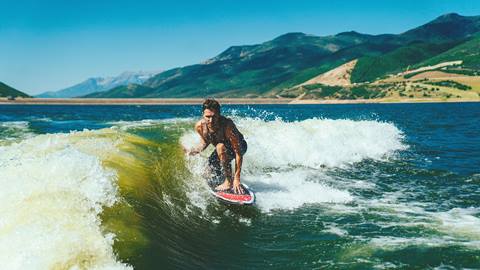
{"x": 229, "y": 144}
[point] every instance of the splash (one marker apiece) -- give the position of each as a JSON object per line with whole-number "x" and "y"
{"x": 285, "y": 161}
{"x": 14, "y": 131}
{"x": 54, "y": 188}
{"x": 316, "y": 143}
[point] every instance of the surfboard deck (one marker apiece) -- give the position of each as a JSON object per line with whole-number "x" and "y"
{"x": 227, "y": 196}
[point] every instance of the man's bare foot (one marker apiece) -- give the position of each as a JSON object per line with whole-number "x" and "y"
{"x": 225, "y": 186}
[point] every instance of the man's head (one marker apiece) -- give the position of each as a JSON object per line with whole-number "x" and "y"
{"x": 211, "y": 112}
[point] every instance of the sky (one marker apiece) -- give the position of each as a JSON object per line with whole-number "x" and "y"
{"x": 48, "y": 45}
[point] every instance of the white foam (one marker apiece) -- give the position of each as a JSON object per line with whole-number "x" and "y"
{"x": 474, "y": 178}
{"x": 15, "y": 124}
{"x": 318, "y": 142}
{"x": 284, "y": 159}
{"x": 314, "y": 142}
{"x": 461, "y": 222}
{"x": 14, "y": 131}
{"x": 198, "y": 189}
{"x": 44, "y": 119}
{"x": 395, "y": 243}
{"x": 286, "y": 190}
{"x": 125, "y": 125}
{"x": 457, "y": 226}
{"x": 292, "y": 189}
{"x": 331, "y": 228}
{"x": 53, "y": 190}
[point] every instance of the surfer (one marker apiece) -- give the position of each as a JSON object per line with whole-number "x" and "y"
{"x": 229, "y": 144}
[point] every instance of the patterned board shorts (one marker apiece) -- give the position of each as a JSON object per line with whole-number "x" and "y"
{"x": 214, "y": 160}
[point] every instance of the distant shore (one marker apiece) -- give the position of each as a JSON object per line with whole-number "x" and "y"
{"x": 196, "y": 101}
{"x": 140, "y": 101}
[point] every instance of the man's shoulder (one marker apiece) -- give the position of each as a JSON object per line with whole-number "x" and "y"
{"x": 199, "y": 124}
{"x": 229, "y": 124}
{"x": 227, "y": 121}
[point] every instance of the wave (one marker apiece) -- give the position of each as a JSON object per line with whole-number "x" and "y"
{"x": 286, "y": 161}
{"x": 314, "y": 143}
{"x": 14, "y": 131}
{"x": 96, "y": 199}
{"x": 127, "y": 125}
{"x": 54, "y": 188}
{"x": 90, "y": 199}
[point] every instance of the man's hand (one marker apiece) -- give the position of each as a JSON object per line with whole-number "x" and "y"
{"x": 237, "y": 187}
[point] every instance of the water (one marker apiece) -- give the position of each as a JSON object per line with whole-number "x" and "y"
{"x": 375, "y": 186}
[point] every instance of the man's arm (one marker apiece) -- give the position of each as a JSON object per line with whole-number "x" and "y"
{"x": 203, "y": 144}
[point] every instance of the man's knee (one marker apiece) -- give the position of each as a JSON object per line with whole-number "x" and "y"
{"x": 220, "y": 148}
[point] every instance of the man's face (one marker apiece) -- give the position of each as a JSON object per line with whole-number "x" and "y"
{"x": 211, "y": 117}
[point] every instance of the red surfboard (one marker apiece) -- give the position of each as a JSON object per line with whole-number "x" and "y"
{"x": 228, "y": 196}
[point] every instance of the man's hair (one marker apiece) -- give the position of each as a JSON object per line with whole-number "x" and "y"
{"x": 211, "y": 104}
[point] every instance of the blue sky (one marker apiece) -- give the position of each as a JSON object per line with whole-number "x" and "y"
{"x": 49, "y": 45}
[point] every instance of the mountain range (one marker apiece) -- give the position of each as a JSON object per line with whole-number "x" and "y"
{"x": 443, "y": 54}
{"x": 99, "y": 84}
{"x": 271, "y": 68}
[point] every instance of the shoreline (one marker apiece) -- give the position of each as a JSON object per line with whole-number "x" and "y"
{"x": 197, "y": 101}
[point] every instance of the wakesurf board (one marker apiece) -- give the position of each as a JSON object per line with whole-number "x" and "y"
{"x": 228, "y": 196}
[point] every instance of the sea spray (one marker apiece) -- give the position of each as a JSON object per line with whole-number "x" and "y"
{"x": 285, "y": 161}
{"x": 316, "y": 143}
{"x": 54, "y": 189}
{"x": 14, "y": 131}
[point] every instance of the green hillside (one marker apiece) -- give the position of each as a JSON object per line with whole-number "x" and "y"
{"x": 124, "y": 91}
{"x": 251, "y": 70}
{"x": 336, "y": 59}
{"x": 468, "y": 52}
{"x": 371, "y": 68}
{"x": 261, "y": 70}
{"x": 6, "y": 91}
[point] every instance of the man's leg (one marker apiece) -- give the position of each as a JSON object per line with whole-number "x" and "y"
{"x": 225, "y": 161}
{"x": 215, "y": 173}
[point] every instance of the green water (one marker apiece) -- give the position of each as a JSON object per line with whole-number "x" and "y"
{"x": 349, "y": 187}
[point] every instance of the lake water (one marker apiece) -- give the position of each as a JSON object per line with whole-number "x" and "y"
{"x": 368, "y": 186}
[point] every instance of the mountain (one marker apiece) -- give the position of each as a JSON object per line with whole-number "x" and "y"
{"x": 468, "y": 52}
{"x": 254, "y": 70}
{"x": 122, "y": 91}
{"x": 289, "y": 60}
{"x": 6, "y": 91}
{"x": 241, "y": 67}
{"x": 446, "y": 28}
{"x": 99, "y": 84}
{"x": 370, "y": 68}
